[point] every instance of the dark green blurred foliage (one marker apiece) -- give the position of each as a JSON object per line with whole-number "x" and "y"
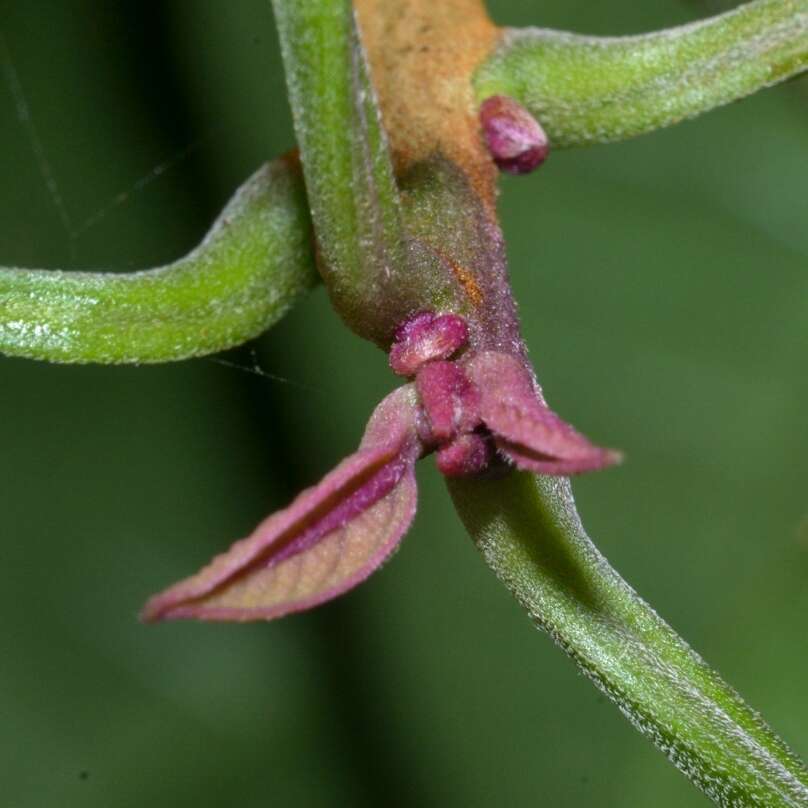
{"x": 664, "y": 295}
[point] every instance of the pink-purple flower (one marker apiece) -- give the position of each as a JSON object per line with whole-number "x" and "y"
{"x": 474, "y": 409}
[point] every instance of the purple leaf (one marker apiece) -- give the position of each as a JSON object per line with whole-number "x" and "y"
{"x": 329, "y": 539}
{"x": 526, "y": 430}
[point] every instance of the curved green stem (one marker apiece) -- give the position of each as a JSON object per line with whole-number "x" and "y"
{"x": 587, "y": 90}
{"x": 530, "y": 534}
{"x": 254, "y": 263}
{"x": 368, "y": 263}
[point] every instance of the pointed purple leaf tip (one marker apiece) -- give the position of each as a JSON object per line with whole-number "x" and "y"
{"x": 514, "y": 137}
{"x": 525, "y": 429}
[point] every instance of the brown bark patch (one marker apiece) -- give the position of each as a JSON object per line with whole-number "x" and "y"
{"x": 423, "y": 54}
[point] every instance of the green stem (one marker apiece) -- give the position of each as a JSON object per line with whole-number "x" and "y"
{"x": 254, "y": 263}
{"x": 529, "y": 533}
{"x": 587, "y": 90}
{"x": 349, "y": 175}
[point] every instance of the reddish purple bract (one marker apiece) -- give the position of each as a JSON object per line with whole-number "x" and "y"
{"x": 525, "y": 429}
{"x": 329, "y": 539}
{"x": 514, "y": 137}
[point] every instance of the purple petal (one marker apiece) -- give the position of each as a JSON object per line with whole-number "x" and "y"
{"x": 526, "y": 430}
{"x": 328, "y": 540}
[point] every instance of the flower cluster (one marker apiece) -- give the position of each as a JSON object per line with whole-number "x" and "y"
{"x": 473, "y": 409}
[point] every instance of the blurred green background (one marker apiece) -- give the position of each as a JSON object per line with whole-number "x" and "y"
{"x": 664, "y": 295}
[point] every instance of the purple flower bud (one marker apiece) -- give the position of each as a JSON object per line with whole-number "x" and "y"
{"x": 332, "y": 536}
{"x": 465, "y": 455}
{"x": 425, "y": 337}
{"x": 514, "y": 137}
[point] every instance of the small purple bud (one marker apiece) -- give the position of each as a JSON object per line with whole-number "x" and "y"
{"x": 425, "y": 337}
{"x": 514, "y": 137}
{"x": 467, "y": 454}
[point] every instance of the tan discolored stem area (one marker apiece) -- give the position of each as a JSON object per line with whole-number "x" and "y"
{"x": 423, "y": 54}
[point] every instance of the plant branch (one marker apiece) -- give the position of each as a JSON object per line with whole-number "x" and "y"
{"x": 529, "y": 533}
{"x": 587, "y": 90}
{"x": 256, "y": 260}
{"x": 346, "y": 162}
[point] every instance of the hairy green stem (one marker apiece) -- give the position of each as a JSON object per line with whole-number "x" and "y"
{"x": 529, "y": 533}
{"x": 349, "y": 175}
{"x": 257, "y": 258}
{"x": 587, "y": 90}
{"x": 254, "y": 263}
